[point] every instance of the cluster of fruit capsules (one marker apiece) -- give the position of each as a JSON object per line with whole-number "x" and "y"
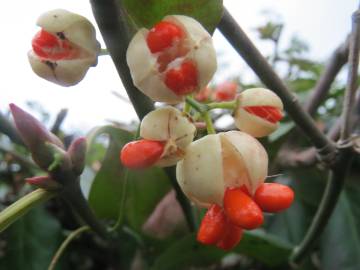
{"x": 222, "y": 172}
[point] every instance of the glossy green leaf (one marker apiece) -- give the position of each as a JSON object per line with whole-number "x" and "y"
{"x": 264, "y": 247}
{"x": 145, "y": 13}
{"x": 340, "y": 242}
{"x": 107, "y": 188}
{"x": 256, "y": 244}
{"x": 145, "y": 189}
{"x": 31, "y": 242}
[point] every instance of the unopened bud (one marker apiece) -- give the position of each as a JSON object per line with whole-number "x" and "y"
{"x": 45, "y": 182}
{"x": 77, "y": 153}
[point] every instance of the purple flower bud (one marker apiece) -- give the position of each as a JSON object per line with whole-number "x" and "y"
{"x": 35, "y": 136}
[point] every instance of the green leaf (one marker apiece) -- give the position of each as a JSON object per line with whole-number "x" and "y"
{"x": 340, "y": 242}
{"x": 144, "y": 188}
{"x": 31, "y": 242}
{"x": 107, "y": 188}
{"x": 256, "y": 244}
{"x": 264, "y": 247}
{"x": 146, "y": 13}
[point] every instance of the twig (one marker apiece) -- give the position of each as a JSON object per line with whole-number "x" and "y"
{"x": 19, "y": 158}
{"x": 8, "y": 129}
{"x": 60, "y": 117}
{"x": 341, "y": 167}
{"x": 321, "y": 89}
{"x": 289, "y": 158}
{"x": 121, "y": 97}
{"x": 349, "y": 99}
{"x": 111, "y": 19}
{"x": 65, "y": 244}
{"x": 242, "y": 44}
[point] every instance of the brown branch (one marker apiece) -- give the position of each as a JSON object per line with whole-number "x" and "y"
{"x": 321, "y": 90}
{"x": 60, "y": 117}
{"x": 349, "y": 100}
{"x": 7, "y": 128}
{"x": 243, "y": 45}
{"x": 289, "y": 158}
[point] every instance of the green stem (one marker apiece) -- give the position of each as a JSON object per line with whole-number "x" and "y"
{"x": 203, "y": 109}
{"x": 104, "y": 52}
{"x": 122, "y": 203}
{"x": 187, "y": 108}
{"x": 199, "y": 107}
{"x": 209, "y": 123}
{"x": 229, "y": 105}
{"x": 19, "y": 208}
{"x": 64, "y": 245}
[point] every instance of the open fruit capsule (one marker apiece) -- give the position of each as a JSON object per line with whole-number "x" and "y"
{"x": 216, "y": 162}
{"x": 225, "y": 91}
{"x": 166, "y": 132}
{"x": 64, "y": 48}
{"x": 174, "y": 58}
{"x": 258, "y": 112}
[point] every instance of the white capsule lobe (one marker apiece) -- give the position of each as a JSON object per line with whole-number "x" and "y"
{"x": 216, "y": 162}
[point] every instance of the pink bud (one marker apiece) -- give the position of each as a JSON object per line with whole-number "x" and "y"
{"x": 44, "y": 182}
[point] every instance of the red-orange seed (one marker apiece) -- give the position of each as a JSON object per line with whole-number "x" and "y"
{"x": 49, "y": 46}
{"x": 241, "y": 210}
{"x": 163, "y": 35}
{"x": 213, "y": 226}
{"x": 231, "y": 238}
{"x": 182, "y": 80}
{"x": 268, "y": 113}
{"x": 141, "y": 154}
{"x": 274, "y": 197}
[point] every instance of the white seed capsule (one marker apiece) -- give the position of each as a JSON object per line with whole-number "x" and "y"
{"x": 258, "y": 112}
{"x": 215, "y": 162}
{"x": 79, "y": 37}
{"x": 168, "y": 125}
{"x": 149, "y": 73}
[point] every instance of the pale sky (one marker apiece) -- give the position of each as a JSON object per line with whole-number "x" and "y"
{"x": 322, "y": 23}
